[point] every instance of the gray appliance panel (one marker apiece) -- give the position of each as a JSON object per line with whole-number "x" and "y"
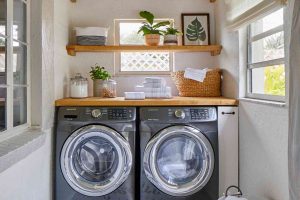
{"x": 97, "y": 114}
{"x": 178, "y": 114}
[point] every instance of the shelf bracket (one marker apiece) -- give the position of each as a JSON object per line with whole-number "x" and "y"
{"x": 71, "y": 51}
{"x": 216, "y": 52}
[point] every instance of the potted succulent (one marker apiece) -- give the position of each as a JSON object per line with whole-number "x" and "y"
{"x": 103, "y": 85}
{"x": 152, "y": 31}
{"x": 171, "y": 36}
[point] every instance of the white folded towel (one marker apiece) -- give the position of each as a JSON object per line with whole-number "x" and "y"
{"x": 134, "y": 95}
{"x": 195, "y": 74}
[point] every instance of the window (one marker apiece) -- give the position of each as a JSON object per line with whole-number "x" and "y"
{"x": 138, "y": 62}
{"x": 266, "y": 69}
{"x": 14, "y": 62}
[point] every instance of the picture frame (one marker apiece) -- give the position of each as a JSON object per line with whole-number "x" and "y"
{"x": 195, "y": 29}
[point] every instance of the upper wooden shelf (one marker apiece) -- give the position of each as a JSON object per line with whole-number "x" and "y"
{"x": 213, "y": 49}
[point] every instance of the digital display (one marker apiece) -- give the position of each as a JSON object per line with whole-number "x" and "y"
{"x": 117, "y": 114}
{"x": 199, "y": 114}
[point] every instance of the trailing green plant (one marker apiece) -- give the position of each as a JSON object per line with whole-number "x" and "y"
{"x": 172, "y": 31}
{"x": 98, "y": 72}
{"x": 149, "y": 27}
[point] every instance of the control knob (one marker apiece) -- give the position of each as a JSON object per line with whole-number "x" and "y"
{"x": 180, "y": 114}
{"x": 96, "y": 113}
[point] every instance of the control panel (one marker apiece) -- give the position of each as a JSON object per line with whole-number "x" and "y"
{"x": 118, "y": 114}
{"x": 179, "y": 114}
{"x": 98, "y": 113}
{"x": 200, "y": 114}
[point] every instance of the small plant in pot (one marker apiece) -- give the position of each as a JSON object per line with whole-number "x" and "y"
{"x": 152, "y": 31}
{"x": 171, "y": 36}
{"x": 103, "y": 85}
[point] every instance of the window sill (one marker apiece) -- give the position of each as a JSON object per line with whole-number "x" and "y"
{"x": 16, "y": 148}
{"x": 264, "y": 102}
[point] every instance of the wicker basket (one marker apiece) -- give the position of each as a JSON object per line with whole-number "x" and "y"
{"x": 210, "y": 87}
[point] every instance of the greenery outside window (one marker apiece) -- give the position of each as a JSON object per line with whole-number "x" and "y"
{"x": 266, "y": 67}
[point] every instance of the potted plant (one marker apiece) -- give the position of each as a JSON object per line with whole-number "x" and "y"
{"x": 152, "y": 31}
{"x": 171, "y": 36}
{"x": 103, "y": 86}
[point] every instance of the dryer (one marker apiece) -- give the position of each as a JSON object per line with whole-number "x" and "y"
{"x": 95, "y": 147}
{"x": 179, "y": 153}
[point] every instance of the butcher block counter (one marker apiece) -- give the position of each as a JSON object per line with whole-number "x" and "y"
{"x": 175, "y": 101}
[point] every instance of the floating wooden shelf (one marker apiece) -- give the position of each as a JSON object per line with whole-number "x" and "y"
{"x": 213, "y": 49}
{"x": 175, "y": 101}
{"x": 74, "y": 1}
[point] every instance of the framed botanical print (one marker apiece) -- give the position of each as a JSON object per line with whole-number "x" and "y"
{"x": 195, "y": 28}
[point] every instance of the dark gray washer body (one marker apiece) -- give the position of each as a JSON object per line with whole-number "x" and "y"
{"x": 70, "y": 119}
{"x": 153, "y": 122}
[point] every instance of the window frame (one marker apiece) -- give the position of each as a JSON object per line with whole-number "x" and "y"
{"x": 10, "y": 129}
{"x": 117, "y": 55}
{"x": 262, "y": 64}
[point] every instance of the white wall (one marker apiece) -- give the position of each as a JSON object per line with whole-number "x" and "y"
{"x": 263, "y": 129}
{"x": 61, "y": 38}
{"x": 103, "y": 13}
{"x": 31, "y": 177}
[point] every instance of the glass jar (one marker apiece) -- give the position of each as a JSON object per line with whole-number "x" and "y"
{"x": 78, "y": 87}
{"x": 109, "y": 89}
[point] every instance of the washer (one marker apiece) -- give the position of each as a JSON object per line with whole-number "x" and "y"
{"x": 179, "y": 153}
{"x": 94, "y": 153}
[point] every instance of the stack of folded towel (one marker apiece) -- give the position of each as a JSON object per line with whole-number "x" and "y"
{"x": 154, "y": 87}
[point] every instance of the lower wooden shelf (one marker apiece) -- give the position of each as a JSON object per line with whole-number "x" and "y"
{"x": 175, "y": 101}
{"x": 213, "y": 49}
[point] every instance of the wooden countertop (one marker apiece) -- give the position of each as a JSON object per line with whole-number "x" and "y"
{"x": 175, "y": 101}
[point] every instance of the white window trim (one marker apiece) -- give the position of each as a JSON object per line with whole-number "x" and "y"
{"x": 117, "y": 55}
{"x": 251, "y": 66}
{"x": 10, "y": 129}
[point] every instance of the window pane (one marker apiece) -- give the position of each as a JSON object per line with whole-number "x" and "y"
{"x": 2, "y": 108}
{"x": 3, "y": 60}
{"x": 19, "y": 28}
{"x": 267, "y": 23}
{"x": 3, "y": 16}
{"x": 269, "y": 80}
{"x": 268, "y": 48}
{"x": 145, "y": 62}
{"x": 20, "y": 105}
{"x": 129, "y": 36}
{"x": 20, "y": 63}
{"x": 2, "y": 83}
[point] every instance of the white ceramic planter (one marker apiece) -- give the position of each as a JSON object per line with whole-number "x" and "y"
{"x": 170, "y": 40}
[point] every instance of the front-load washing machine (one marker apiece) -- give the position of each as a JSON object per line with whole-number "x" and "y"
{"x": 94, "y": 153}
{"x": 179, "y": 153}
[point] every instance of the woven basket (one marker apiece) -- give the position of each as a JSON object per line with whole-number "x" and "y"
{"x": 210, "y": 87}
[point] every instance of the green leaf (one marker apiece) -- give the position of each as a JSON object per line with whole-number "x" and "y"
{"x": 145, "y": 30}
{"x": 160, "y": 24}
{"x": 195, "y": 31}
{"x": 148, "y": 16}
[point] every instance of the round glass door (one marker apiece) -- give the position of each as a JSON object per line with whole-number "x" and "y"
{"x": 179, "y": 160}
{"x": 96, "y": 160}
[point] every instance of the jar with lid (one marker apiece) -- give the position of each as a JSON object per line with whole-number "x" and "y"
{"x": 109, "y": 89}
{"x": 78, "y": 87}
